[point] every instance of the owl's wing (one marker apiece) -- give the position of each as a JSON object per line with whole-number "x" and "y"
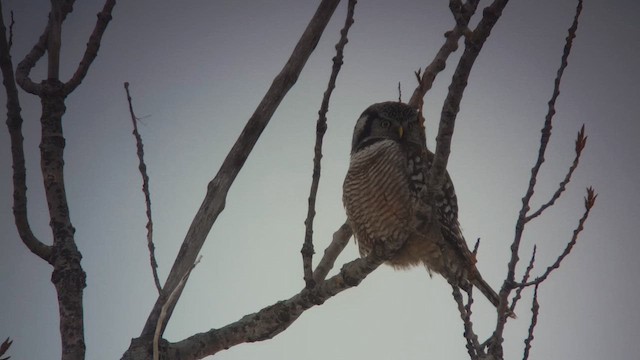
{"x": 446, "y": 212}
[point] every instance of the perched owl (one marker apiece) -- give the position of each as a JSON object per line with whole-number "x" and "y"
{"x": 384, "y": 192}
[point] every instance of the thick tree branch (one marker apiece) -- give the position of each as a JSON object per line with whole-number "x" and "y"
{"x": 321, "y": 127}
{"x": 274, "y": 319}
{"x": 218, "y": 188}
{"x": 14, "y": 123}
{"x": 339, "y": 242}
{"x": 439, "y": 62}
{"x": 145, "y": 190}
{"x": 451, "y": 106}
{"x": 92, "y": 47}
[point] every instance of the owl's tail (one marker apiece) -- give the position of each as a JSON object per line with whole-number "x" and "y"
{"x": 488, "y": 292}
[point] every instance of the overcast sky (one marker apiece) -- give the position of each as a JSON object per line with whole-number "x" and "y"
{"x": 198, "y": 69}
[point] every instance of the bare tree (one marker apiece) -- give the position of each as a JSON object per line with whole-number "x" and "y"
{"x": 64, "y": 256}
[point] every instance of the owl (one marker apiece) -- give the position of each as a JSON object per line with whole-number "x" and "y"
{"x": 384, "y": 197}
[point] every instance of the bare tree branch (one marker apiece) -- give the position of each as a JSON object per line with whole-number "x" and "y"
{"x": 218, "y": 188}
{"x": 495, "y": 346}
{"x": 525, "y": 277}
{"x": 544, "y": 140}
{"x": 451, "y": 106}
{"x": 93, "y": 45}
{"x": 473, "y": 346}
{"x": 172, "y": 298}
{"x": 535, "y": 308}
{"x": 321, "y": 127}
{"x": 5, "y": 346}
{"x": 589, "y": 201}
{"x": 439, "y": 62}
{"x": 145, "y": 190}
{"x": 11, "y": 31}
{"x": 274, "y": 319}
{"x": 14, "y": 123}
{"x": 581, "y": 142}
{"x": 340, "y": 240}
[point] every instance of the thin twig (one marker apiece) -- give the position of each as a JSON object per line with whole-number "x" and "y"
{"x": 508, "y": 284}
{"x": 4, "y": 347}
{"x": 525, "y": 277}
{"x": 581, "y": 142}
{"x": 473, "y": 347}
{"x": 14, "y": 124}
{"x": 340, "y": 240}
{"x": 535, "y": 309}
{"x": 145, "y": 190}
{"x": 589, "y": 202}
{"x": 214, "y": 200}
{"x": 321, "y": 127}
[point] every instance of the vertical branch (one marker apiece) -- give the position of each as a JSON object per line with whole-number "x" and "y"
{"x": 473, "y": 347}
{"x": 145, "y": 189}
{"x": 321, "y": 127}
{"x": 525, "y": 277}
{"x": 496, "y": 341}
{"x": 14, "y": 123}
{"x": 214, "y": 201}
{"x": 535, "y": 309}
{"x": 54, "y": 41}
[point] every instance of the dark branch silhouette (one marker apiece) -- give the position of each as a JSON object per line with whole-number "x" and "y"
{"x": 14, "y": 124}
{"x": 321, "y": 127}
{"x": 145, "y": 190}
{"x": 214, "y": 201}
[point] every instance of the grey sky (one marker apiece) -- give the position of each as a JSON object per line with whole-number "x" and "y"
{"x": 198, "y": 69}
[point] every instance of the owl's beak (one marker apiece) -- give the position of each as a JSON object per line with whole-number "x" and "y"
{"x": 400, "y": 131}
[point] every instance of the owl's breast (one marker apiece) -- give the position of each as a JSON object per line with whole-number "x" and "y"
{"x": 377, "y": 196}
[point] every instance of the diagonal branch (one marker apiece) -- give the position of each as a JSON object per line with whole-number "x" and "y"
{"x": 439, "y": 62}
{"x": 217, "y": 190}
{"x": 589, "y": 202}
{"x": 93, "y": 45}
{"x": 321, "y": 127}
{"x": 451, "y": 106}
{"x": 145, "y": 190}
{"x": 14, "y": 123}
{"x": 340, "y": 240}
{"x": 272, "y": 320}
{"x": 581, "y": 142}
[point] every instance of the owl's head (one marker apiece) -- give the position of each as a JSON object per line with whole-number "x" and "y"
{"x": 386, "y": 121}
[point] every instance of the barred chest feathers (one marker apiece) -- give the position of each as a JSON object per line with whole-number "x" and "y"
{"x": 377, "y": 195}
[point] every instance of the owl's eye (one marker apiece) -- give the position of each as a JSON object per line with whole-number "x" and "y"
{"x": 385, "y": 124}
